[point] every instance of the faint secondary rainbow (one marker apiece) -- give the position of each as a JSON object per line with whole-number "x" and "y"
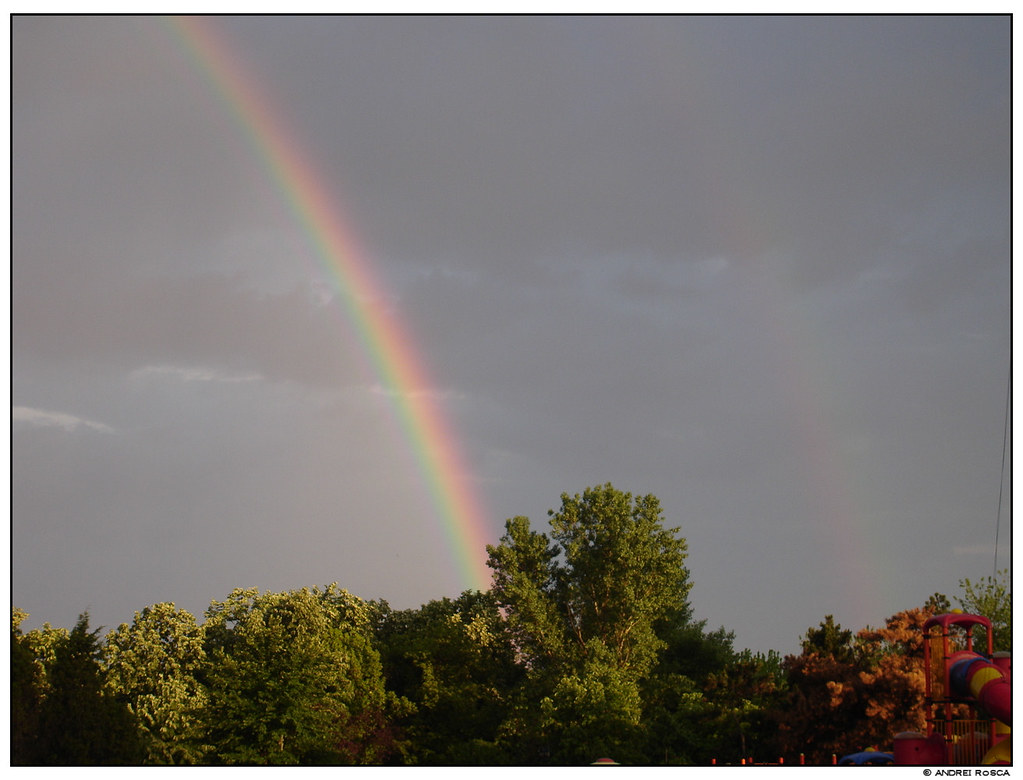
{"x": 850, "y": 533}
{"x": 384, "y": 340}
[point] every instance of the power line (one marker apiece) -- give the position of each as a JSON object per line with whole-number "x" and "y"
{"x": 1001, "y": 478}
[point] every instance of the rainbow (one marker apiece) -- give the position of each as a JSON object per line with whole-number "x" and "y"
{"x": 386, "y": 343}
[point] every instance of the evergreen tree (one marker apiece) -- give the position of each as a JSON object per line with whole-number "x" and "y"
{"x": 829, "y": 639}
{"x": 80, "y": 724}
{"x": 743, "y": 695}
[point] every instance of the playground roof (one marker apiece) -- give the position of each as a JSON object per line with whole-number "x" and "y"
{"x": 957, "y": 619}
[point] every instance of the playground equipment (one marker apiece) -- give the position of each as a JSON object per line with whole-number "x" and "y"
{"x": 967, "y": 695}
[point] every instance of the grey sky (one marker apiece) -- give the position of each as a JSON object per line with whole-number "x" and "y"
{"x": 758, "y": 267}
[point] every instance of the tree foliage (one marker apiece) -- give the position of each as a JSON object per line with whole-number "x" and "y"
{"x": 26, "y": 694}
{"x": 583, "y": 606}
{"x": 608, "y": 572}
{"x": 829, "y": 639}
{"x": 153, "y": 666}
{"x": 454, "y": 665}
{"x": 79, "y": 722}
{"x": 585, "y": 647}
{"x": 847, "y": 694}
{"x": 991, "y": 597}
{"x": 293, "y": 678}
{"x": 741, "y": 694}
{"x": 894, "y": 677}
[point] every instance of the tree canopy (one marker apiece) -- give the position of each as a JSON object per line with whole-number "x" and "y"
{"x": 585, "y": 647}
{"x": 991, "y": 597}
{"x": 604, "y": 577}
{"x": 293, "y": 678}
{"x": 153, "y": 665}
{"x": 583, "y": 605}
{"x": 80, "y": 723}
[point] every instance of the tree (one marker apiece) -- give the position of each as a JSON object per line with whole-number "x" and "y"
{"x": 80, "y": 724}
{"x": 452, "y": 661}
{"x": 706, "y": 701}
{"x": 607, "y": 574}
{"x": 742, "y": 696}
{"x": 43, "y": 643}
{"x": 583, "y": 606}
{"x": 594, "y": 711}
{"x": 32, "y": 657}
{"x": 848, "y": 694}
{"x": 152, "y": 666}
{"x": 677, "y": 721}
{"x": 829, "y": 639}
{"x": 992, "y": 598}
{"x": 938, "y": 604}
{"x": 26, "y": 694}
{"x": 293, "y": 678}
{"x": 894, "y": 680}
{"x": 822, "y": 708}
{"x": 678, "y": 714}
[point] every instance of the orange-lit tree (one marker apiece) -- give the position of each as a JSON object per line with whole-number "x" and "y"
{"x": 848, "y": 693}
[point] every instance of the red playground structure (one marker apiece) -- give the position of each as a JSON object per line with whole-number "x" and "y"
{"x": 968, "y": 696}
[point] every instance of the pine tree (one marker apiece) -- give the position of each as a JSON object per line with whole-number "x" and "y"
{"x": 80, "y": 724}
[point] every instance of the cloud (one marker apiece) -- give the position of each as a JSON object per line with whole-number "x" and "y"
{"x": 47, "y": 419}
{"x": 193, "y": 374}
{"x": 433, "y": 394}
{"x": 974, "y": 549}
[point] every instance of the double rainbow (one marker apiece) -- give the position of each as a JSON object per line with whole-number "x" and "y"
{"x": 384, "y": 340}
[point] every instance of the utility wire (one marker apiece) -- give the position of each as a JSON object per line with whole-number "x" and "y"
{"x": 1001, "y": 479}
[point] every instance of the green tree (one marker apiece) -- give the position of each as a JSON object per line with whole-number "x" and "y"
{"x": 26, "y": 694}
{"x": 829, "y": 639}
{"x": 43, "y": 643}
{"x": 608, "y": 573}
{"x": 677, "y": 722}
{"x": 823, "y": 706}
{"x": 152, "y": 666}
{"x": 692, "y": 651}
{"x": 992, "y": 598}
{"x": 583, "y": 606}
{"x": 80, "y": 724}
{"x": 293, "y": 678}
{"x": 32, "y": 655}
{"x": 743, "y": 695}
{"x": 594, "y": 711}
{"x": 938, "y": 604}
{"x": 705, "y": 701}
{"x": 679, "y": 717}
{"x": 453, "y": 662}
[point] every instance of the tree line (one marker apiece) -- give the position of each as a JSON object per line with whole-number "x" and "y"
{"x": 584, "y": 647}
